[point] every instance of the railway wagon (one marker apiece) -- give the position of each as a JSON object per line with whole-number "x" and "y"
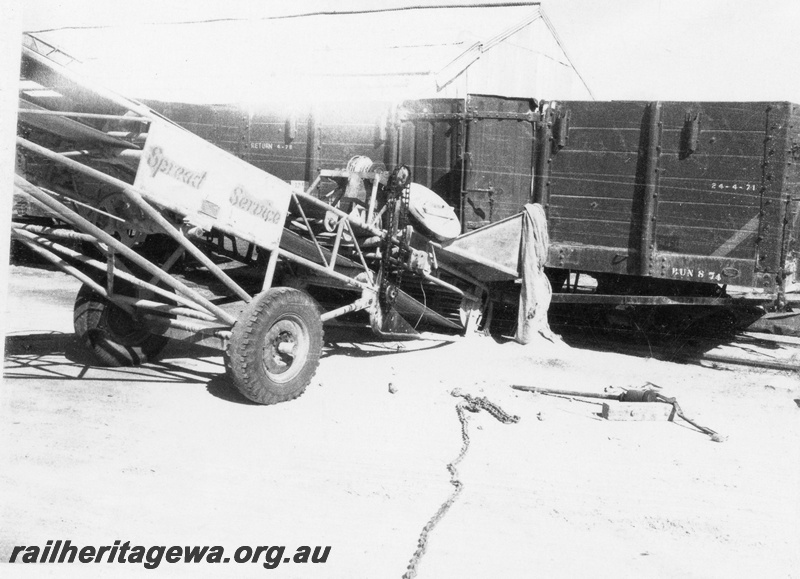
{"x": 661, "y": 203}
{"x": 680, "y": 191}
{"x": 292, "y": 141}
{"x": 698, "y": 192}
{"x": 648, "y": 203}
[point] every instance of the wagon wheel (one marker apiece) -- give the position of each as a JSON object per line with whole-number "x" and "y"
{"x": 128, "y": 232}
{"x": 275, "y": 346}
{"x": 118, "y": 217}
{"x": 115, "y": 337}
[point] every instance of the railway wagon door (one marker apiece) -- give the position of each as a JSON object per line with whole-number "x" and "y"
{"x": 430, "y": 141}
{"x": 476, "y": 153}
{"x": 676, "y": 190}
{"x": 498, "y": 173}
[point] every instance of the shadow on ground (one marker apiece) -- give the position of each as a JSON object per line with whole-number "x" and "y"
{"x": 358, "y": 342}
{"x": 41, "y": 356}
{"x": 60, "y": 356}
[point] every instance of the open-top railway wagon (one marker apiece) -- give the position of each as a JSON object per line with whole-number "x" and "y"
{"x": 649, "y": 204}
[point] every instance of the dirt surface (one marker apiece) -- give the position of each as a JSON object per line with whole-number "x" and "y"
{"x": 167, "y": 454}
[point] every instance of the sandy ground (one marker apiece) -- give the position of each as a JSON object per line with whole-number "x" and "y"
{"x": 166, "y": 454}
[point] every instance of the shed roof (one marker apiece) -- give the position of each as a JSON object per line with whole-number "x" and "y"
{"x": 413, "y": 52}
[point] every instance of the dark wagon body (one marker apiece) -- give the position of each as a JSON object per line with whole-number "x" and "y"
{"x": 691, "y": 192}
{"x": 701, "y": 192}
{"x": 650, "y": 198}
{"x": 291, "y": 142}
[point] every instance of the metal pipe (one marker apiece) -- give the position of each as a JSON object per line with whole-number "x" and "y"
{"x": 358, "y": 305}
{"x": 163, "y": 308}
{"x": 444, "y": 284}
{"x": 171, "y": 260}
{"x": 110, "y": 267}
{"x": 269, "y": 276}
{"x": 59, "y": 263}
{"x": 138, "y": 138}
{"x": 148, "y": 209}
{"x": 188, "y": 326}
{"x": 101, "y": 91}
{"x": 54, "y": 232}
{"x": 313, "y": 185}
{"x": 101, "y": 267}
{"x": 66, "y": 213}
{"x": 320, "y": 269}
{"x": 327, "y": 207}
{"x": 337, "y": 242}
{"x": 83, "y": 115}
{"x": 195, "y": 252}
{"x": 84, "y": 205}
{"x": 537, "y": 390}
{"x": 372, "y": 198}
{"x": 360, "y": 253}
{"x": 308, "y": 228}
{"x": 433, "y": 280}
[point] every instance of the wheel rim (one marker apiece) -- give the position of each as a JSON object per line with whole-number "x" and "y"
{"x": 285, "y": 349}
{"x": 126, "y": 231}
{"x": 127, "y": 228}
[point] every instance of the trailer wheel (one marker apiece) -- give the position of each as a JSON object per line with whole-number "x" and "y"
{"x": 114, "y": 336}
{"x": 275, "y": 346}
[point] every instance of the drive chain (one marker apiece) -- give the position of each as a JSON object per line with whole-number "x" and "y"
{"x": 471, "y": 404}
{"x": 397, "y": 190}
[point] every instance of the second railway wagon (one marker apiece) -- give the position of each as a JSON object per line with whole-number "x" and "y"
{"x": 654, "y": 200}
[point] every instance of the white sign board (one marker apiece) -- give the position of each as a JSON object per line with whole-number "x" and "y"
{"x": 181, "y": 172}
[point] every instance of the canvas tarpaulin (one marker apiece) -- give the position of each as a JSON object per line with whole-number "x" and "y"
{"x": 536, "y": 293}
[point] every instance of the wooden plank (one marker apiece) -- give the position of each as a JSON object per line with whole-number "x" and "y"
{"x": 739, "y": 116}
{"x": 636, "y": 411}
{"x": 704, "y": 240}
{"x": 727, "y": 220}
{"x": 601, "y": 209}
{"x": 717, "y": 142}
{"x": 590, "y": 232}
{"x": 614, "y": 115}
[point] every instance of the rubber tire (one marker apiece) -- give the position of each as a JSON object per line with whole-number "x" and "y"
{"x": 262, "y": 375}
{"x": 111, "y": 334}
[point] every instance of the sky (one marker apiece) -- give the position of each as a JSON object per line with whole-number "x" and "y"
{"x": 624, "y": 49}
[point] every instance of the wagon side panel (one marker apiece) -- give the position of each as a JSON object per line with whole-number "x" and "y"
{"x": 223, "y": 125}
{"x": 719, "y": 178}
{"x": 277, "y": 142}
{"x": 591, "y": 186}
{"x": 684, "y": 191}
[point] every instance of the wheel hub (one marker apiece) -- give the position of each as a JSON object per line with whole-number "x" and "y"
{"x": 122, "y": 326}
{"x": 286, "y": 346}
